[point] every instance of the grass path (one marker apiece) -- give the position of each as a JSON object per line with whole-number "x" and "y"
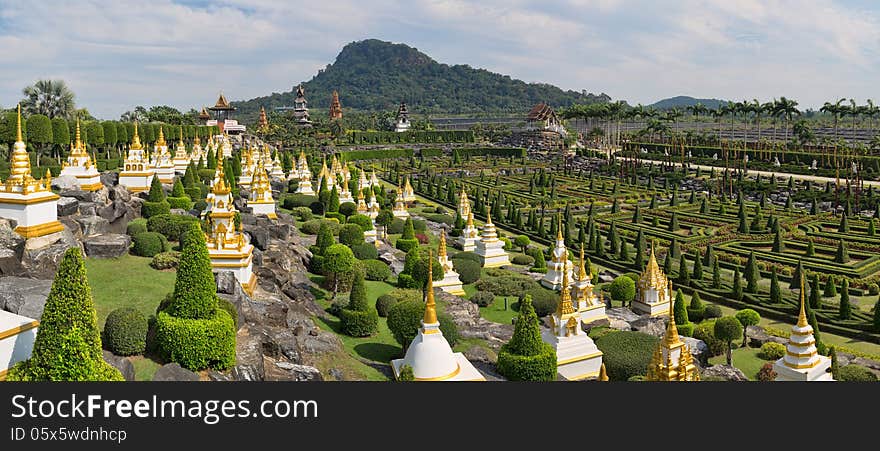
{"x": 127, "y": 281}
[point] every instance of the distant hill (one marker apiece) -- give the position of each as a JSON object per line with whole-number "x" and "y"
{"x": 685, "y": 101}
{"x": 376, "y": 75}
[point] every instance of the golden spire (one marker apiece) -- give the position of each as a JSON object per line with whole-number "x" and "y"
{"x": 441, "y": 251}
{"x": 470, "y": 220}
{"x": 653, "y": 277}
{"x": 220, "y": 187}
{"x": 161, "y": 141}
{"x": 565, "y": 307}
{"x": 802, "y": 316}
{"x": 582, "y": 275}
{"x": 603, "y": 375}
{"x": 21, "y": 162}
{"x": 559, "y": 227}
{"x": 136, "y": 140}
{"x": 180, "y": 141}
{"x": 430, "y": 306}
{"x": 671, "y": 331}
{"x": 489, "y": 216}
{"x": 77, "y": 147}
{"x": 18, "y": 137}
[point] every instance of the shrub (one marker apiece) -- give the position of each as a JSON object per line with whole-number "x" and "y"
{"x": 351, "y": 235}
{"x": 387, "y": 300}
{"x": 685, "y": 330}
{"x": 855, "y": 373}
{"x": 508, "y": 284}
{"x": 406, "y": 244}
{"x": 149, "y": 244}
{"x": 696, "y": 310}
{"x": 136, "y": 226}
{"x": 196, "y": 344}
{"x": 406, "y": 374}
{"x": 626, "y": 353}
{"x": 468, "y": 256}
{"x": 483, "y": 298}
{"x": 419, "y": 225}
{"x": 422, "y": 238}
{"x": 150, "y": 209}
{"x": 172, "y": 226}
{"x": 712, "y": 311}
{"x": 376, "y": 270}
{"x": 311, "y": 227}
{"x": 623, "y": 289}
{"x": 229, "y": 308}
{"x": 339, "y": 217}
{"x": 302, "y": 213}
{"x": 766, "y": 373}
{"x": 405, "y": 318}
{"x": 292, "y": 201}
{"x": 468, "y": 270}
{"x": 165, "y": 260}
{"x": 338, "y": 264}
{"x": 365, "y": 251}
{"x": 706, "y": 331}
{"x": 771, "y": 351}
{"x": 183, "y": 203}
{"x": 522, "y": 259}
{"x": 125, "y": 331}
{"x": 543, "y": 300}
{"x": 526, "y": 357}
{"x": 396, "y": 226}
{"x": 448, "y": 328}
{"x": 365, "y": 223}
{"x": 407, "y": 281}
{"x": 440, "y": 218}
{"x": 347, "y": 209}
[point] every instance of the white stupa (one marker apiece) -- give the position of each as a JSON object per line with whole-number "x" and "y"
{"x": 409, "y": 195}
{"x": 429, "y": 355}
{"x": 373, "y": 207}
{"x": 163, "y": 163}
{"x": 248, "y": 166}
{"x": 226, "y": 146}
{"x": 559, "y": 263}
{"x": 80, "y": 165}
{"x": 577, "y": 356}
{"x": 589, "y": 306}
{"x": 261, "y": 200}
{"x": 399, "y": 209}
{"x": 654, "y": 290}
{"x": 137, "y": 173}
{"x": 229, "y": 249}
{"x": 802, "y": 361}
{"x": 17, "y": 336}
{"x": 181, "y": 156}
{"x": 489, "y": 247}
{"x": 450, "y": 282}
{"x": 467, "y": 241}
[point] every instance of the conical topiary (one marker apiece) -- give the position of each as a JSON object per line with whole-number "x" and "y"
{"x": 157, "y": 194}
{"x": 195, "y": 292}
{"x": 526, "y": 356}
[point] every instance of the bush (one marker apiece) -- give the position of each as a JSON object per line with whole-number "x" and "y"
{"x": 766, "y": 373}
{"x": 339, "y": 217}
{"x": 873, "y": 289}
{"x": 712, "y": 311}
{"x": 468, "y": 270}
{"x": 311, "y": 227}
{"x": 396, "y": 226}
{"x": 440, "y": 218}
{"x": 855, "y": 373}
{"x": 422, "y": 238}
{"x": 468, "y": 256}
{"x": 406, "y": 245}
{"x": 125, "y": 331}
{"x": 302, "y": 213}
{"x": 407, "y": 281}
{"x": 771, "y": 351}
{"x": 685, "y": 330}
{"x": 507, "y": 283}
{"x": 706, "y": 331}
{"x": 404, "y": 320}
{"x": 483, "y": 298}
{"x": 292, "y": 201}
{"x": 366, "y": 251}
{"x": 387, "y": 300}
{"x": 626, "y": 353}
{"x": 351, "y": 235}
{"x": 150, "y": 209}
{"x": 136, "y": 226}
{"x": 148, "y": 244}
{"x": 347, "y": 209}
{"x": 522, "y": 259}
{"x": 623, "y": 289}
{"x": 172, "y": 226}
{"x": 184, "y": 203}
{"x": 197, "y": 344}
{"x": 229, "y": 308}
{"x": 448, "y": 328}
{"x": 375, "y": 270}
{"x": 165, "y": 260}
{"x": 543, "y": 300}
{"x": 357, "y": 323}
{"x": 419, "y": 225}
{"x": 365, "y": 223}
{"x": 526, "y": 357}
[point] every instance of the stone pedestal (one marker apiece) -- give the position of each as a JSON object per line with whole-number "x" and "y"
{"x": 577, "y": 357}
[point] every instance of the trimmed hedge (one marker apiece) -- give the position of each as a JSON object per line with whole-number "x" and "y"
{"x": 197, "y": 344}
{"x": 406, "y": 245}
{"x": 405, "y": 318}
{"x": 468, "y": 270}
{"x": 376, "y": 270}
{"x": 772, "y": 351}
{"x": 483, "y": 298}
{"x": 526, "y": 357}
{"x": 357, "y": 323}
{"x": 150, "y": 209}
{"x": 172, "y": 226}
{"x": 855, "y": 373}
{"x": 351, "y": 235}
{"x": 165, "y": 260}
{"x": 626, "y": 353}
{"x": 136, "y": 226}
{"x": 387, "y": 300}
{"x": 183, "y": 203}
{"x": 148, "y": 244}
{"x": 125, "y": 331}
{"x": 312, "y": 227}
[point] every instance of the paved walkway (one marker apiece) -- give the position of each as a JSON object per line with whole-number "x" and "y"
{"x": 814, "y": 178}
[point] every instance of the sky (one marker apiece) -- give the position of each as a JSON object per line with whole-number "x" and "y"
{"x": 118, "y": 54}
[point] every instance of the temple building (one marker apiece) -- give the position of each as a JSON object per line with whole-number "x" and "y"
{"x": 409, "y": 194}
{"x": 544, "y": 129}
{"x": 450, "y": 282}
{"x": 344, "y": 193}
{"x": 654, "y": 290}
{"x": 559, "y": 263}
{"x": 802, "y": 361}
{"x": 181, "y": 156}
{"x": 301, "y": 108}
{"x": 467, "y": 241}
{"x": 229, "y": 249}
{"x": 489, "y": 247}
{"x": 335, "y": 107}
{"x": 399, "y": 209}
{"x": 226, "y": 146}
{"x": 401, "y": 123}
{"x": 374, "y": 207}
{"x": 248, "y": 167}
{"x": 137, "y": 173}
{"x": 222, "y": 112}
{"x": 577, "y": 356}
{"x": 204, "y": 116}
{"x": 429, "y": 355}
{"x": 277, "y": 171}
{"x": 80, "y": 165}
{"x": 672, "y": 360}
{"x": 264, "y": 121}
{"x": 26, "y": 200}
{"x": 162, "y": 160}
{"x": 370, "y": 236}
{"x": 590, "y": 307}
{"x": 260, "y": 199}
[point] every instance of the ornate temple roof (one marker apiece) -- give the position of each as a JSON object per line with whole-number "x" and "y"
{"x": 653, "y": 277}
{"x": 541, "y": 112}
{"x": 222, "y": 104}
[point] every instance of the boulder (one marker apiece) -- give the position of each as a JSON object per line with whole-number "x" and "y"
{"x": 726, "y": 372}
{"x": 120, "y": 363}
{"x": 80, "y": 195}
{"x": 698, "y": 348}
{"x": 71, "y": 225}
{"x": 259, "y": 235}
{"x": 88, "y": 208}
{"x": 11, "y": 248}
{"x": 286, "y": 371}
{"x": 603, "y": 322}
{"x": 67, "y": 206}
{"x": 108, "y": 245}
{"x": 226, "y": 282}
{"x": 281, "y": 232}
{"x": 480, "y": 354}
{"x": 118, "y": 192}
{"x": 112, "y": 211}
{"x": 757, "y": 337}
{"x": 65, "y": 183}
{"x": 24, "y": 296}
{"x": 110, "y": 179}
{"x": 249, "y": 356}
{"x": 42, "y": 255}
{"x": 621, "y": 317}
{"x": 93, "y": 225}
{"x": 175, "y": 373}
{"x": 655, "y": 326}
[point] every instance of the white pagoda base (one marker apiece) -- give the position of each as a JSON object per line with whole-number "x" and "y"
{"x": 577, "y": 357}
{"x": 553, "y": 277}
{"x": 87, "y": 179}
{"x": 263, "y": 208}
{"x": 35, "y": 214}
{"x": 305, "y": 187}
{"x": 655, "y": 309}
{"x": 492, "y": 255}
{"x": 466, "y": 244}
{"x": 245, "y": 180}
{"x": 432, "y": 359}
{"x": 593, "y": 313}
{"x": 17, "y": 336}
{"x": 403, "y": 214}
{"x": 346, "y": 197}
{"x": 371, "y": 237}
{"x": 165, "y": 174}
{"x": 239, "y": 262}
{"x": 180, "y": 165}
{"x": 815, "y": 374}
{"x": 450, "y": 283}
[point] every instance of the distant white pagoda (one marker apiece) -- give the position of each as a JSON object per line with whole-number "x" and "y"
{"x": 802, "y": 361}
{"x": 489, "y": 247}
{"x": 467, "y": 241}
{"x": 80, "y": 165}
{"x": 162, "y": 160}
{"x": 590, "y": 306}
{"x": 137, "y": 172}
{"x": 654, "y": 290}
{"x": 450, "y": 282}
{"x": 402, "y": 120}
{"x": 577, "y": 356}
{"x": 559, "y": 263}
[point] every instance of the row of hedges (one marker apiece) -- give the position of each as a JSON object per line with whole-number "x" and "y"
{"x": 377, "y": 154}
{"x": 493, "y": 151}
{"x": 415, "y": 136}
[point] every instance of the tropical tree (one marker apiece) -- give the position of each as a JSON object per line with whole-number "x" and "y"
{"x": 49, "y": 97}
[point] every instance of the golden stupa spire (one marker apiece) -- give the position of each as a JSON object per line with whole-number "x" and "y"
{"x": 441, "y": 251}
{"x": 180, "y": 141}
{"x": 430, "y": 305}
{"x": 671, "y": 330}
{"x": 220, "y": 187}
{"x": 559, "y": 227}
{"x": 470, "y": 220}
{"x": 565, "y": 307}
{"x": 136, "y": 140}
{"x": 161, "y": 141}
{"x": 582, "y": 275}
{"x": 603, "y": 375}
{"x": 77, "y": 147}
{"x": 18, "y": 137}
{"x": 489, "y": 216}
{"x": 21, "y": 163}
{"x": 653, "y": 275}
{"x": 802, "y": 316}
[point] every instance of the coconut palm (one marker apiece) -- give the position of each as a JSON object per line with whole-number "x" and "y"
{"x": 49, "y": 97}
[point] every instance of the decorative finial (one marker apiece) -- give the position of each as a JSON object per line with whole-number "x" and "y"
{"x": 430, "y": 305}
{"x": 18, "y": 137}
{"x": 802, "y": 316}
{"x": 441, "y": 251}
{"x": 603, "y": 375}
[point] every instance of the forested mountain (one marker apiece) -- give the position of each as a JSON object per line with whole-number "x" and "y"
{"x": 375, "y": 75}
{"x": 682, "y": 102}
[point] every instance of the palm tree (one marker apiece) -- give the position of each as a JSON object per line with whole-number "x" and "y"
{"x": 49, "y": 97}
{"x": 786, "y": 109}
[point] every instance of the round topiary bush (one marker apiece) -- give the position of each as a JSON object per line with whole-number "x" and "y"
{"x": 365, "y": 223}
{"x": 483, "y": 298}
{"x": 405, "y": 318}
{"x": 165, "y": 260}
{"x": 125, "y": 331}
{"x": 387, "y": 300}
{"x": 366, "y": 251}
{"x": 148, "y": 244}
{"x": 136, "y": 226}
{"x": 302, "y": 213}
{"x": 468, "y": 270}
{"x": 706, "y": 331}
{"x": 172, "y": 226}
{"x": 543, "y": 300}
{"x": 351, "y": 235}
{"x": 292, "y": 201}
{"x": 150, "y": 209}
{"x": 312, "y": 227}
{"x": 375, "y": 270}
{"x": 855, "y": 373}
{"x": 626, "y": 353}
{"x": 357, "y": 323}
{"x": 183, "y": 203}
{"x": 406, "y": 244}
{"x": 873, "y": 289}
{"x": 197, "y": 344}
{"x": 622, "y": 289}
{"x": 685, "y": 330}
{"x": 712, "y": 311}
{"x": 468, "y": 256}
{"x": 772, "y": 351}
{"x": 448, "y": 328}
{"x": 523, "y": 259}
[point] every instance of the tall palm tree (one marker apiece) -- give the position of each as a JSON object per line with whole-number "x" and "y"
{"x": 49, "y": 97}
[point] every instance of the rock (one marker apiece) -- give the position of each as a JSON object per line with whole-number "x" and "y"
{"x": 67, "y": 206}
{"x": 80, "y": 195}
{"x": 726, "y": 372}
{"x": 11, "y": 248}
{"x": 110, "y": 179}
{"x": 176, "y": 373}
{"x": 88, "y": 208}
{"x": 120, "y": 363}
{"x": 65, "y": 183}
{"x": 480, "y": 354}
{"x": 621, "y": 317}
{"x": 249, "y": 357}
{"x": 603, "y": 322}
{"x": 42, "y": 255}
{"x": 259, "y": 235}
{"x": 93, "y": 225}
{"x": 757, "y": 337}
{"x": 286, "y": 371}
{"x": 112, "y": 211}
{"x": 179, "y": 211}
{"x": 108, "y": 245}
{"x": 24, "y": 296}
{"x": 118, "y": 192}
{"x": 226, "y": 282}
{"x": 337, "y": 374}
{"x": 655, "y": 326}
{"x": 606, "y": 277}
{"x": 867, "y": 363}
{"x": 698, "y": 348}
{"x": 71, "y": 225}
{"x": 466, "y": 316}
{"x": 217, "y": 376}
{"x": 281, "y": 232}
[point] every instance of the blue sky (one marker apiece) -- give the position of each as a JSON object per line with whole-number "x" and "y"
{"x": 119, "y": 54}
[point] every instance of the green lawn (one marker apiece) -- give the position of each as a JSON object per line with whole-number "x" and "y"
{"x": 496, "y": 313}
{"x": 746, "y": 359}
{"x": 144, "y": 368}
{"x": 127, "y": 281}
